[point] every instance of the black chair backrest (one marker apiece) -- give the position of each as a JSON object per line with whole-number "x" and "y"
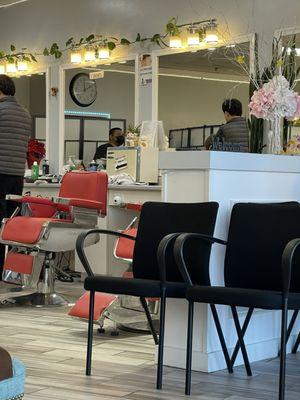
{"x": 257, "y": 236}
{"x": 160, "y": 219}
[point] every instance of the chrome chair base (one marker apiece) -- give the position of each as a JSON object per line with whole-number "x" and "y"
{"x": 13, "y": 291}
{"x": 42, "y": 300}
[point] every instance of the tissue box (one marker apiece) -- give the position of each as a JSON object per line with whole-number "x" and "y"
{"x": 13, "y": 388}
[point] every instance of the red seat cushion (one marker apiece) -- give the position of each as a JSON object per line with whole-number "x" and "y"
{"x": 24, "y": 229}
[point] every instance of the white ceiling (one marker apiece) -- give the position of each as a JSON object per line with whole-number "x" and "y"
{"x": 11, "y": 3}
{"x": 221, "y": 60}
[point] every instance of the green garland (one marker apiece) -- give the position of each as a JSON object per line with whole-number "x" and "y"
{"x": 171, "y": 29}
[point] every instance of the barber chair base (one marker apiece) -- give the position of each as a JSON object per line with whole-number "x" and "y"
{"x": 11, "y": 291}
{"x": 42, "y": 300}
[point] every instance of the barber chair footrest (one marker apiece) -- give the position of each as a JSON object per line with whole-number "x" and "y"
{"x": 102, "y": 302}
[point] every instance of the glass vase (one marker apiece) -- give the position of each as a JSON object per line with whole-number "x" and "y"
{"x": 274, "y": 136}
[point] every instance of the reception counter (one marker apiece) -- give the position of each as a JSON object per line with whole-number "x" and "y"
{"x": 226, "y": 178}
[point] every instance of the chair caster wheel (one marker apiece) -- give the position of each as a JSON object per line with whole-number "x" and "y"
{"x": 114, "y": 333}
{"x": 101, "y": 330}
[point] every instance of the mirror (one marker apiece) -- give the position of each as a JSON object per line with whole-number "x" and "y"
{"x": 31, "y": 94}
{"x": 192, "y": 87}
{"x": 94, "y": 106}
{"x": 291, "y": 51}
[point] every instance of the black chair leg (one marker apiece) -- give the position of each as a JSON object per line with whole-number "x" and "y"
{"x": 149, "y": 319}
{"x": 241, "y": 340}
{"x": 283, "y": 352}
{"x": 244, "y": 329}
{"x": 296, "y": 345}
{"x": 189, "y": 349}
{"x": 290, "y": 328}
{"x": 221, "y": 338}
{"x": 160, "y": 360}
{"x": 90, "y": 335}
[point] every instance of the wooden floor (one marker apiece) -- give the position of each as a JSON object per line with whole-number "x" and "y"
{"x": 52, "y": 345}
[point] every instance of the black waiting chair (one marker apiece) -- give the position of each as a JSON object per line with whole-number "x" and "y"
{"x": 260, "y": 252}
{"x": 155, "y": 276}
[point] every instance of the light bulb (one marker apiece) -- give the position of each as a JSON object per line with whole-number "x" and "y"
{"x": 11, "y": 68}
{"x": 89, "y": 54}
{"x": 193, "y": 38}
{"x": 2, "y": 69}
{"x": 22, "y": 66}
{"x": 76, "y": 57}
{"x": 175, "y": 42}
{"x": 103, "y": 53}
{"x": 211, "y": 35}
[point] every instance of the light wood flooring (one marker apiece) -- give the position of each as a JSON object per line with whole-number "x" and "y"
{"x": 53, "y": 346}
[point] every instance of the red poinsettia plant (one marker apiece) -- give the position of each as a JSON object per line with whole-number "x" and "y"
{"x": 35, "y": 152}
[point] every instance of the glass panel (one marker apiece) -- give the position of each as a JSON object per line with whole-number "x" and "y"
{"x": 89, "y": 149}
{"x": 185, "y": 138}
{"x": 72, "y": 128}
{"x": 175, "y": 139}
{"x": 72, "y": 149}
{"x": 197, "y": 137}
{"x": 118, "y": 124}
{"x": 96, "y": 130}
{"x": 40, "y": 128}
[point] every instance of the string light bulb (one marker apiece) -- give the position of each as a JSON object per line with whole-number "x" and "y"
{"x": 193, "y": 38}
{"x": 11, "y": 68}
{"x": 22, "y": 66}
{"x": 76, "y": 56}
{"x": 103, "y": 52}
{"x": 89, "y": 54}
{"x": 211, "y": 36}
{"x": 175, "y": 42}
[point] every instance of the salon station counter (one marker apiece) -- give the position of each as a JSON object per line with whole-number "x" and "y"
{"x": 101, "y": 254}
{"x": 226, "y": 178}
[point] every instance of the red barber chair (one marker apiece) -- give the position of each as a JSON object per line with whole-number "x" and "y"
{"x": 41, "y": 228}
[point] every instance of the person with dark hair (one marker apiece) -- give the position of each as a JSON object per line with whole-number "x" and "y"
{"x": 15, "y": 130}
{"x": 234, "y": 134}
{"x": 116, "y": 138}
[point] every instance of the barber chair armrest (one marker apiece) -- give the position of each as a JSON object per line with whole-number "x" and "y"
{"x": 80, "y": 245}
{"x": 30, "y": 199}
{"x": 81, "y": 203}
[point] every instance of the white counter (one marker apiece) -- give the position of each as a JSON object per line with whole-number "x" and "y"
{"x": 226, "y": 178}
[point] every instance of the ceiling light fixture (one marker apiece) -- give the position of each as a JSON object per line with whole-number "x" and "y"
{"x": 211, "y": 35}
{"x": 193, "y": 38}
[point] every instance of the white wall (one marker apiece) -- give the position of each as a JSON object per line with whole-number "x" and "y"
{"x": 184, "y": 102}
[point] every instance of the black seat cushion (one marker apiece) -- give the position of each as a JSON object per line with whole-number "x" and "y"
{"x": 133, "y": 287}
{"x": 271, "y": 300}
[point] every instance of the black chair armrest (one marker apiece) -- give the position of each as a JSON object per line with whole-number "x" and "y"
{"x": 287, "y": 265}
{"x": 178, "y": 251}
{"x": 161, "y": 255}
{"x": 80, "y": 245}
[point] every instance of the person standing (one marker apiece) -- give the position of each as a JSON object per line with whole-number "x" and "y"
{"x": 15, "y": 130}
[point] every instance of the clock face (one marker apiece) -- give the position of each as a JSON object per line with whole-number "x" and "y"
{"x": 83, "y": 90}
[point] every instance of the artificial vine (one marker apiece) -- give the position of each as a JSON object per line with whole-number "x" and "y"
{"x": 172, "y": 29}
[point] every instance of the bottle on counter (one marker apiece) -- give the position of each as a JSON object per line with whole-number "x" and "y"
{"x": 93, "y": 166}
{"x": 71, "y": 163}
{"x": 45, "y": 167}
{"x": 35, "y": 171}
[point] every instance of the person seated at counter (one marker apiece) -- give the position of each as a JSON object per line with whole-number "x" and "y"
{"x": 234, "y": 134}
{"x": 116, "y": 138}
